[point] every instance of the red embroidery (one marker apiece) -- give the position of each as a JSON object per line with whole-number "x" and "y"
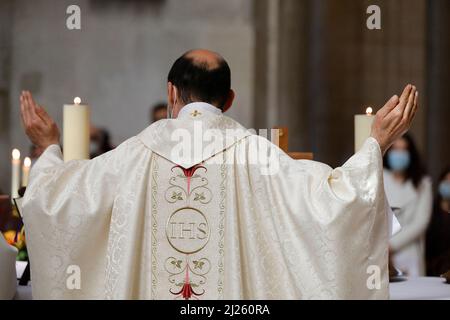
{"x": 187, "y": 292}
{"x": 189, "y": 173}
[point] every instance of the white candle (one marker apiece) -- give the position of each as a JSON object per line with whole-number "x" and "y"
{"x": 15, "y": 174}
{"x": 76, "y": 131}
{"x": 363, "y": 127}
{"x": 26, "y": 171}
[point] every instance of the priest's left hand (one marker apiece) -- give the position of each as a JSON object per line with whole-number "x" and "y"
{"x": 39, "y": 126}
{"x": 395, "y": 118}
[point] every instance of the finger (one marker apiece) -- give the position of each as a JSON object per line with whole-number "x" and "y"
{"x": 404, "y": 97}
{"x": 405, "y": 93}
{"x": 415, "y": 107}
{"x": 409, "y": 105}
{"x": 396, "y": 114}
{"x": 26, "y": 109}
{"x": 32, "y": 105}
{"x": 43, "y": 114}
{"x": 388, "y": 106}
{"x": 35, "y": 122}
{"x": 416, "y": 101}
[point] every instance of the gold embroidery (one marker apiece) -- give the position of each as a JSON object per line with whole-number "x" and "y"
{"x": 154, "y": 226}
{"x": 196, "y": 113}
{"x": 187, "y": 230}
{"x": 195, "y": 186}
{"x": 220, "y": 265}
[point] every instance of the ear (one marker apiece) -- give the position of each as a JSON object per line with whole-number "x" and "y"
{"x": 229, "y": 101}
{"x": 171, "y": 94}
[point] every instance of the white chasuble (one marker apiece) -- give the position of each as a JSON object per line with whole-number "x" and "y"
{"x": 231, "y": 218}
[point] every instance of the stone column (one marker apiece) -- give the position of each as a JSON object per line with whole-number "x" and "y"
{"x": 5, "y": 62}
{"x": 330, "y": 67}
{"x": 438, "y": 79}
{"x": 396, "y": 55}
{"x": 279, "y": 59}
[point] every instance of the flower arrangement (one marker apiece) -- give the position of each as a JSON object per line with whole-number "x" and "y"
{"x": 17, "y": 239}
{"x": 11, "y": 227}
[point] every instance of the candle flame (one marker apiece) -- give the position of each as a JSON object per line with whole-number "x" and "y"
{"x": 16, "y": 154}
{"x": 369, "y": 111}
{"x": 77, "y": 100}
{"x": 27, "y": 162}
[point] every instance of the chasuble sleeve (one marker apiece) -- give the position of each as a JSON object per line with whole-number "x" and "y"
{"x": 332, "y": 224}
{"x": 67, "y": 210}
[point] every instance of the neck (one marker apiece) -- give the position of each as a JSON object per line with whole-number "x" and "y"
{"x": 201, "y": 107}
{"x": 399, "y": 176}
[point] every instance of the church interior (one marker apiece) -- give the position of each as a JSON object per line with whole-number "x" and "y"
{"x": 308, "y": 67}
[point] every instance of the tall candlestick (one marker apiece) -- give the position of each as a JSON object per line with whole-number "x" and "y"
{"x": 76, "y": 131}
{"x": 363, "y": 127}
{"x": 15, "y": 174}
{"x": 26, "y": 171}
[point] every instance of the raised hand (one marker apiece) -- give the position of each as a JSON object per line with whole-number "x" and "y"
{"x": 38, "y": 125}
{"x": 395, "y": 118}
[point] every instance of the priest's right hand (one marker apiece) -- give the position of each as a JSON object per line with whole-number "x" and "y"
{"x": 395, "y": 118}
{"x": 38, "y": 125}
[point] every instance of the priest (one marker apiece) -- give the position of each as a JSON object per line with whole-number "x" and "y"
{"x": 198, "y": 207}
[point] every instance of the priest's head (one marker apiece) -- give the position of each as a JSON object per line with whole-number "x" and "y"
{"x": 199, "y": 76}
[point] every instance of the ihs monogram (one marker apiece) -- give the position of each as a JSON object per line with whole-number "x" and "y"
{"x": 188, "y": 231}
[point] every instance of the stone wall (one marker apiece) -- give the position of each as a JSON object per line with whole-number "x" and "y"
{"x": 118, "y": 62}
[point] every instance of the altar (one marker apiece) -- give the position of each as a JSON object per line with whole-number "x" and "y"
{"x": 419, "y": 288}
{"x": 422, "y": 288}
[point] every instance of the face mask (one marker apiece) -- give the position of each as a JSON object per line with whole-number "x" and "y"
{"x": 398, "y": 160}
{"x": 444, "y": 190}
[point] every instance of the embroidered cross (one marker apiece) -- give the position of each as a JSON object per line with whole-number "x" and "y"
{"x": 195, "y": 113}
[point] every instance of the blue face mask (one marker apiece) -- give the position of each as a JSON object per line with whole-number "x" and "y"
{"x": 444, "y": 189}
{"x": 398, "y": 160}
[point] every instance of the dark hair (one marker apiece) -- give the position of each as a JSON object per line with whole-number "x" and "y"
{"x": 416, "y": 170}
{"x": 197, "y": 81}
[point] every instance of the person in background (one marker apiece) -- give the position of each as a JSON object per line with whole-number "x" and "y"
{"x": 438, "y": 234}
{"x": 158, "y": 112}
{"x": 8, "y": 281}
{"x": 100, "y": 142}
{"x": 410, "y": 190}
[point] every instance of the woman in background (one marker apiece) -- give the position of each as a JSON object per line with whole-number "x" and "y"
{"x": 438, "y": 234}
{"x": 409, "y": 190}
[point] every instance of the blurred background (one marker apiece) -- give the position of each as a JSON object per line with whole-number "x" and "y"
{"x": 309, "y": 65}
